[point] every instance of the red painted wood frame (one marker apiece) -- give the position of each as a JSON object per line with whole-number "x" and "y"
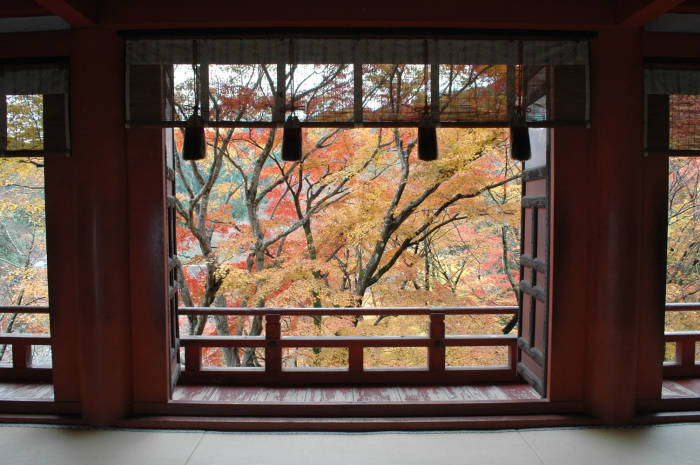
{"x": 653, "y": 219}
{"x": 355, "y": 373}
{"x": 153, "y": 293}
{"x": 569, "y": 256}
{"x": 533, "y": 321}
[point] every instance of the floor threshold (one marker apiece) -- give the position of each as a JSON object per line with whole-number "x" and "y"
{"x": 359, "y": 424}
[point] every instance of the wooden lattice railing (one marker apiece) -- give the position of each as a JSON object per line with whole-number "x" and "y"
{"x": 355, "y": 372}
{"x": 685, "y": 363}
{"x": 21, "y": 343}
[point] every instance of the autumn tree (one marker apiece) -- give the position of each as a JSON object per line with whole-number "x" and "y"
{"x": 351, "y": 222}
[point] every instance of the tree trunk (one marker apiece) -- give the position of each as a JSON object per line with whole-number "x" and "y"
{"x": 221, "y": 322}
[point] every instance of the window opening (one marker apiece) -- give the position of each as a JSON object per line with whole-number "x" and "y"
{"x": 672, "y": 113}
{"x": 255, "y": 232}
{"x": 24, "y": 295}
{"x": 33, "y": 125}
{"x": 278, "y": 259}
{"x": 683, "y": 264}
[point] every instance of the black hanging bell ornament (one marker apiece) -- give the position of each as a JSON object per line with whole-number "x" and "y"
{"x": 193, "y": 147}
{"x": 427, "y": 139}
{"x": 519, "y": 138}
{"x": 291, "y": 139}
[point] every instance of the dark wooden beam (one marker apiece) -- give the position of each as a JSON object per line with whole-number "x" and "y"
{"x": 78, "y": 13}
{"x": 510, "y": 14}
{"x": 688, "y": 7}
{"x": 43, "y": 44}
{"x": 637, "y": 13}
{"x": 671, "y": 45}
{"x": 20, "y": 8}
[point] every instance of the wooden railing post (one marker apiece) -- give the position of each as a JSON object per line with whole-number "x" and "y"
{"x": 436, "y": 351}
{"x": 686, "y": 347}
{"x": 193, "y": 358}
{"x": 273, "y": 350}
{"x": 21, "y": 355}
{"x": 513, "y": 355}
{"x": 356, "y": 354}
{"x": 684, "y": 362}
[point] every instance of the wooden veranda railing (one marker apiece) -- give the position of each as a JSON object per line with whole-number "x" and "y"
{"x": 355, "y": 373}
{"x": 22, "y": 368}
{"x": 685, "y": 363}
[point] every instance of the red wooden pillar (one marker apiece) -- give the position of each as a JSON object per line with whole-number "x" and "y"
{"x": 570, "y": 249}
{"x": 614, "y": 193}
{"x": 62, "y": 250}
{"x": 147, "y": 231}
{"x": 100, "y": 176}
{"x": 652, "y": 303}
{"x": 148, "y": 284}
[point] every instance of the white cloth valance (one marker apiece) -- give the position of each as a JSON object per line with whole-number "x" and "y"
{"x": 33, "y": 80}
{"x": 672, "y": 81}
{"x": 370, "y": 51}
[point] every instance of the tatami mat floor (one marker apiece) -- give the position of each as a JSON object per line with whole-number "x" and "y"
{"x": 676, "y": 444}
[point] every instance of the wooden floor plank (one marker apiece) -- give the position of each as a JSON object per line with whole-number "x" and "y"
{"x": 680, "y": 388}
{"x": 496, "y": 393}
{"x": 416, "y": 394}
{"x": 519, "y": 391}
{"x": 692, "y": 384}
{"x": 26, "y": 391}
{"x": 358, "y": 394}
{"x": 372, "y": 395}
{"x": 296, "y": 395}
